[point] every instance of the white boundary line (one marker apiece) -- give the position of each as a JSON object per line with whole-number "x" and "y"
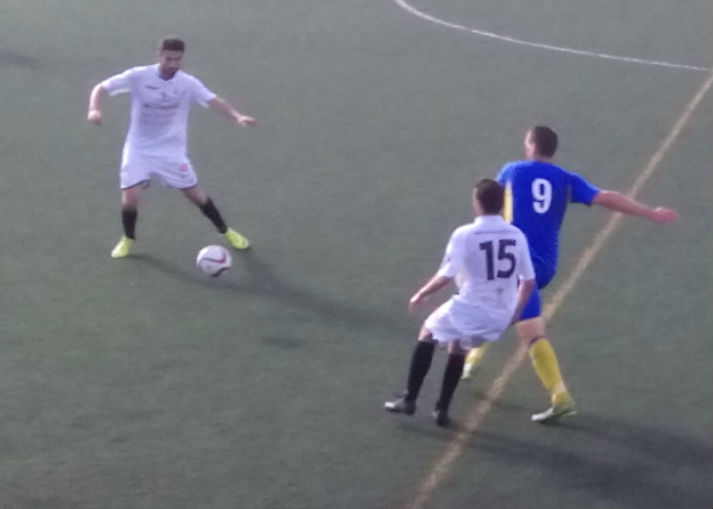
{"x": 632, "y": 60}
{"x": 442, "y": 467}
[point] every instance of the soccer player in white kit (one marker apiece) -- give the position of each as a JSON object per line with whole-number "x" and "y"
{"x": 490, "y": 262}
{"x": 155, "y": 146}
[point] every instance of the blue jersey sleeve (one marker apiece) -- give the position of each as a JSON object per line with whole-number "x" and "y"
{"x": 582, "y": 191}
{"x": 502, "y": 176}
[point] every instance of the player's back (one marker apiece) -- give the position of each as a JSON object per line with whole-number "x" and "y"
{"x": 536, "y": 197}
{"x": 490, "y": 256}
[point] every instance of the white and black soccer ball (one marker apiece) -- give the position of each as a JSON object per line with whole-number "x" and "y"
{"x": 213, "y": 260}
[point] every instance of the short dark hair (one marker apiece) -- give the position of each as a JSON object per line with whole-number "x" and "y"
{"x": 545, "y": 140}
{"x": 172, "y": 44}
{"x": 490, "y": 195}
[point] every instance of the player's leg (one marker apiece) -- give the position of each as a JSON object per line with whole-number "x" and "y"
{"x": 473, "y": 360}
{"x": 129, "y": 214}
{"x": 420, "y": 364}
{"x": 451, "y": 377}
{"x": 134, "y": 175}
{"x": 475, "y": 356}
{"x": 196, "y": 195}
{"x": 179, "y": 174}
{"x": 531, "y": 330}
{"x": 544, "y": 361}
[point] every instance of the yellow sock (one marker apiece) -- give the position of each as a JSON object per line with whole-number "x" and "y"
{"x": 475, "y": 356}
{"x": 545, "y": 363}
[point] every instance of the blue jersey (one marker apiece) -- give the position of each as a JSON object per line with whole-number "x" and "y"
{"x": 536, "y": 198}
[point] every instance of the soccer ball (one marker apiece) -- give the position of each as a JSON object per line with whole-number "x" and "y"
{"x": 213, "y": 260}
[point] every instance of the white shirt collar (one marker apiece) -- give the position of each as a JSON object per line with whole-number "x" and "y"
{"x": 157, "y": 72}
{"x": 489, "y": 219}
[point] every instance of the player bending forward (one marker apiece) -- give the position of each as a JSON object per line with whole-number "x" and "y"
{"x": 487, "y": 258}
{"x": 155, "y": 146}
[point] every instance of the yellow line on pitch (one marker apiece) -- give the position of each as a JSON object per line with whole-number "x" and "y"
{"x": 442, "y": 467}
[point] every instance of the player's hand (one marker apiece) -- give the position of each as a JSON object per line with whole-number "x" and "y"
{"x": 664, "y": 215}
{"x": 95, "y": 117}
{"x": 244, "y": 120}
{"x": 417, "y": 299}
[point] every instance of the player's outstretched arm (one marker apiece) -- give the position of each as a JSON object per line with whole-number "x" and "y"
{"x": 618, "y": 202}
{"x": 94, "y": 115}
{"x": 226, "y": 109}
{"x": 436, "y": 283}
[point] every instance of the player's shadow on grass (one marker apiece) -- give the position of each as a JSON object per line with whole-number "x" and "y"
{"x": 11, "y": 58}
{"x": 422, "y": 424}
{"x": 261, "y": 279}
{"x": 283, "y": 342}
{"x": 165, "y": 267}
{"x": 258, "y": 278}
{"x": 633, "y": 465}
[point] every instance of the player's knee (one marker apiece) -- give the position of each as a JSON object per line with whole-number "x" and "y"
{"x": 130, "y": 199}
{"x": 530, "y": 330}
{"x": 426, "y": 336}
{"x": 454, "y": 348}
{"x": 196, "y": 195}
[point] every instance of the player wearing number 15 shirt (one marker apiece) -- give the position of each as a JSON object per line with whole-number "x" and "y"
{"x": 537, "y": 193}
{"x": 490, "y": 262}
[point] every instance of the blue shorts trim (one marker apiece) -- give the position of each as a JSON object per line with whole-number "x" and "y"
{"x": 532, "y": 308}
{"x": 543, "y": 275}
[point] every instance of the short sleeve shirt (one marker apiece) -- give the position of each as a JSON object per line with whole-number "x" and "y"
{"x": 536, "y": 198}
{"x": 159, "y": 108}
{"x": 487, "y": 259}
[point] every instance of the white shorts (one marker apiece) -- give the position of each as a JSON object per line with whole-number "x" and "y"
{"x": 469, "y": 324}
{"x": 175, "y": 172}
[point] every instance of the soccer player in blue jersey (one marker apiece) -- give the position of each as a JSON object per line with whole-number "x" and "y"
{"x": 537, "y": 193}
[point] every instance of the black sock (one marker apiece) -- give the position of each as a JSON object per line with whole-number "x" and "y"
{"x": 451, "y": 377}
{"x": 420, "y": 364}
{"x": 208, "y": 208}
{"x": 128, "y": 219}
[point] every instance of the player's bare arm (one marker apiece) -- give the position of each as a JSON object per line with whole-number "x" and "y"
{"x": 618, "y": 202}
{"x": 226, "y": 109}
{"x": 436, "y": 283}
{"x": 524, "y": 290}
{"x": 94, "y": 115}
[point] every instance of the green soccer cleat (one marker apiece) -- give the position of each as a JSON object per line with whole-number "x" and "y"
{"x": 122, "y": 248}
{"x": 555, "y": 413}
{"x": 236, "y": 240}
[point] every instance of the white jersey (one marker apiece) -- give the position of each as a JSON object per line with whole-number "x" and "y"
{"x": 487, "y": 258}
{"x": 159, "y": 108}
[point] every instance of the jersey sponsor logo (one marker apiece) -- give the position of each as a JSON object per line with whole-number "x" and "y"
{"x": 170, "y": 106}
{"x": 183, "y": 167}
{"x": 152, "y": 87}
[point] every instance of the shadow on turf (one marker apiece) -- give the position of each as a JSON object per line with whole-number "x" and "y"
{"x": 12, "y": 58}
{"x": 283, "y": 342}
{"x": 634, "y": 465}
{"x": 260, "y": 279}
{"x": 425, "y": 426}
